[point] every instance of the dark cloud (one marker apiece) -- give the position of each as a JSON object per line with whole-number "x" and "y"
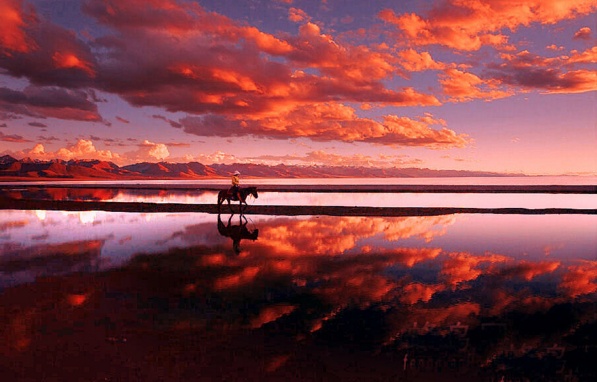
{"x": 13, "y": 138}
{"x": 171, "y": 122}
{"x": 49, "y": 102}
{"x": 530, "y": 71}
{"x": 37, "y": 124}
{"x": 122, "y": 119}
{"x": 48, "y": 139}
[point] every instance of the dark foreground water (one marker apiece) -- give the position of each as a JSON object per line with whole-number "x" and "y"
{"x": 103, "y": 296}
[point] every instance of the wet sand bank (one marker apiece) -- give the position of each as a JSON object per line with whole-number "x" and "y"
{"x": 14, "y": 204}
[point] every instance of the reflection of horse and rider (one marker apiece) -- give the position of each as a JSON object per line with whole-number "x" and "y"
{"x": 235, "y": 193}
{"x": 237, "y": 232}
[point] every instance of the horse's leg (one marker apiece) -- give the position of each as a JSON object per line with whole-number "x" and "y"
{"x": 230, "y": 206}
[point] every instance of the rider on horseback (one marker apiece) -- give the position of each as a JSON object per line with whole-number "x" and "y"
{"x": 235, "y": 189}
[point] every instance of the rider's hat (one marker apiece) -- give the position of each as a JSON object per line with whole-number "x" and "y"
{"x": 236, "y": 173}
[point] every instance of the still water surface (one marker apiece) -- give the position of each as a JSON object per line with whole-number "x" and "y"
{"x": 357, "y": 199}
{"x": 95, "y": 295}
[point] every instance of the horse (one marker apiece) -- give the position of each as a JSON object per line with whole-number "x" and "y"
{"x": 244, "y": 192}
{"x": 236, "y": 232}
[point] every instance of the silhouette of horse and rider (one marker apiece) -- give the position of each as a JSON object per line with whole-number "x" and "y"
{"x": 242, "y": 193}
{"x": 236, "y": 193}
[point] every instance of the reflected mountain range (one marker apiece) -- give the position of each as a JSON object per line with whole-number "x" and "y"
{"x": 296, "y": 298}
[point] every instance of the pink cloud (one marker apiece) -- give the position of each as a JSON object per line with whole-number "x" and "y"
{"x": 321, "y": 157}
{"x": 148, "y": 152}
{"x": 85, "y": 149}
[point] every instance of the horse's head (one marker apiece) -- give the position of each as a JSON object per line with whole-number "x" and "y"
{"x": 253, "y": 236}
{"x": 253, "y": 191}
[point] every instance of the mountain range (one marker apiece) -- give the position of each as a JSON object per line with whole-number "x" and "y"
{"x": 16, "y": 169}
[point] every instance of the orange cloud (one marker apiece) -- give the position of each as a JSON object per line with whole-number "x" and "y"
{"x": 271, "y": 313}
{"x": 415, "y": 292}
{"x": 331, "y": 121}
{"x": 69, "y": 60}
{"x": 460, "y": 267}
{"x": 414, "y": 61}
{"x": 583, "y": 34}
{"x": 297, "y": 15}
{"x": 554, "y": 47}
{"x": 468, "y": 25}
{"x": 463, "y": 86}
{"x": 233, "y": 281}
{"x": 588, "y": 56}
{"x": 12, "y": 23}
{"x": 580, "y": 279}
{"x": 528, "y": 270}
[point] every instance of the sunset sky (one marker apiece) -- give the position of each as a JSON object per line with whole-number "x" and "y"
{"x": 490, "y": 85}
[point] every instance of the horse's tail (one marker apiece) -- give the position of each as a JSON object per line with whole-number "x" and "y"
{"x": 220, "y": 200}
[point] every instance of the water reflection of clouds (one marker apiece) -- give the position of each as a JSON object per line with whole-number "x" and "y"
{"x": 124, "y": 234}
{"x": 386, "y": 285}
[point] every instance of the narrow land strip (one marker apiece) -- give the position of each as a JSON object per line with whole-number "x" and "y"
{"x": 13, "y": 204}
{"x": 405, "y": 188}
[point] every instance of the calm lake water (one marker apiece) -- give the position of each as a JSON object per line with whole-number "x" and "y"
{"x": 192, "y": 296}
{"x": 360, "y": 199}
